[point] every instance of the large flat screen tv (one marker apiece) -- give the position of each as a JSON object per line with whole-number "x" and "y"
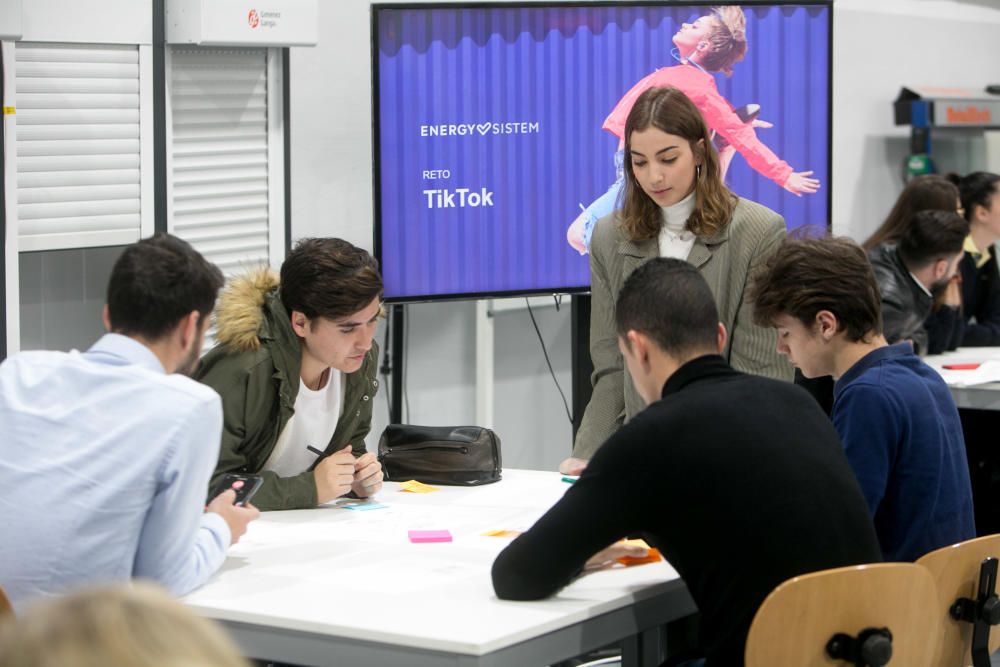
{"x": 494, "y": 127}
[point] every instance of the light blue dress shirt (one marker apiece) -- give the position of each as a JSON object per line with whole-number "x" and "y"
{"x": 104, "y": 464}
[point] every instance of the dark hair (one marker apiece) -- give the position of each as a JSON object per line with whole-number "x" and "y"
{"x": 670, "y": 110}
{"x": 328, "y": 278}
{"x": 807, "y": 275}
{"x": 156, "y": 282}
{"x": 975, "y": 190}
{"x": 931, "y": 236}
{"x": 928, "y": 192}
{"x": 668, "y": 300}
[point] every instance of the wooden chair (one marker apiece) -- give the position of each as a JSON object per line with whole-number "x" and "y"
{"x": 966, "y": 571}
{"x": 6, "y": 609}
{"x": 844, "y": 612}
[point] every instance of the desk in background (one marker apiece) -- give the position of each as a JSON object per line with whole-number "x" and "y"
{"x": 975, "y": 397}
{"x": 333, "y": 586}
{"x": 979, "y": 409}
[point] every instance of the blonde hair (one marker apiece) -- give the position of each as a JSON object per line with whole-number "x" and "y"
{"x": 728, "y": 39}
{"x": 670, "y": 110}
{"x": 115, "y": 626}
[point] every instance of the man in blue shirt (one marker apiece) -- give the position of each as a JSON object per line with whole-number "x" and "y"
{"x": 895, "y": 415}
{"x": 106, "y": 454}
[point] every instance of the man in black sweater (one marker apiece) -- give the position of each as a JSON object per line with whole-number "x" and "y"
{"x": 740, "y": 481}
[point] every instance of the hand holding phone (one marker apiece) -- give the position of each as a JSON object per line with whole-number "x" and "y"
{"x": 245, "y": 487}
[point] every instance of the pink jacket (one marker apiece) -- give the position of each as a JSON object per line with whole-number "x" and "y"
{"x": 718, "y": 114}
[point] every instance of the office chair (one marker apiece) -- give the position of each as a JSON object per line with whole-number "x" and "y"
{"x": 967, "y": 606}
{"x": 866, "y": 615}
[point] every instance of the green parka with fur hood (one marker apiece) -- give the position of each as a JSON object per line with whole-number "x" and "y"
{"x": 255, "y": 369}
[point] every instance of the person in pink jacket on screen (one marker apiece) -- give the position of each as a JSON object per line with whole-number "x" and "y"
{"x": 713, "y": 43}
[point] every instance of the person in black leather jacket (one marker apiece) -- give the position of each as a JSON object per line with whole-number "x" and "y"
{"x": 911, "y": 271}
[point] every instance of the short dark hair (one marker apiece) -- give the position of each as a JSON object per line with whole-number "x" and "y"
{"x": 975, "y": 189}
{"x": 156, "y": 282}
{"x": 327, "y": 277}
{"x": 931, "y": 236}
{"x": 807, "y": 275}
{"x": 668, "y": 300}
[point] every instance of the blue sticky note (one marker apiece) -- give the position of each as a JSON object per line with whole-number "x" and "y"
{"x": 364, "y": 507}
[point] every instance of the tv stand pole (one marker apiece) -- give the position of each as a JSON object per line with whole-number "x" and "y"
{"x": 396, "y": 328}
{"x": 580, "y": 356}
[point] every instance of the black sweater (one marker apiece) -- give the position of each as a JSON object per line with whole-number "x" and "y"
{"x": 740, "y": 481}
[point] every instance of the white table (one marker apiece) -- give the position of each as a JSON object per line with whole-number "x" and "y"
{"x": 333, "y": 586}
{"x": 976, "y": 397}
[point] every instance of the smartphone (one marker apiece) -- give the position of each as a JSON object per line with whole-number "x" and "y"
{"x": 244, "y": 486}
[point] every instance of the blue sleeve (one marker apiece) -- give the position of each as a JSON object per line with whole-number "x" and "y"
{"x": 181, "y": 546}
{"x": 870, "y": 430}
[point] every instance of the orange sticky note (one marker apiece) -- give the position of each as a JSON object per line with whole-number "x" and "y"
{"x": 652, "y": 554}
{"x": 413, "y": 486}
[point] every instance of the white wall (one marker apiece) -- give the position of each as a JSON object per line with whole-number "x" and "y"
{"x": 879, "y": 45}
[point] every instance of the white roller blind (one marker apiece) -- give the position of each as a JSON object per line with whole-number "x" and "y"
{"x": 219, "y": 194}
{"x": 77, "y": 145}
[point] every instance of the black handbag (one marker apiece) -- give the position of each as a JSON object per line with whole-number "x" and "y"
{"x": 448, "y": 455}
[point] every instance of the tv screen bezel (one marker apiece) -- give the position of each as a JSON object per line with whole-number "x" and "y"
{"x": 376, "y": 7}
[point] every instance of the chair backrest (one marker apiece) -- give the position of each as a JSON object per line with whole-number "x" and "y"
{"x": 6, "y": 609}
{"x": 956, "y": 571}
{"x": 800, "y": 616}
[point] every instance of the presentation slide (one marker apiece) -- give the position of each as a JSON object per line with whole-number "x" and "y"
{"x": 495, "y": 129}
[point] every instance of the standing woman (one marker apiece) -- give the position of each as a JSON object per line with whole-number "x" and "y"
{"x": 675, "y": 205}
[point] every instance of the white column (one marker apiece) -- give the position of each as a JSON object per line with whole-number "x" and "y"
{"x": 11, "y": 283}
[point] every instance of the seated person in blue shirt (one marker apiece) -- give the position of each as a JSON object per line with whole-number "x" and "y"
{"x": 106, "y": 454}
{"x": 912, "y": 272}
{"x": 718, "y": 458}
{"x": 895, "y": 415}
{"x": 969, "y": 312}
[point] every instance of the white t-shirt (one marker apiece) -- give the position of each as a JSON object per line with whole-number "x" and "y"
{"x": 315, "y": 420}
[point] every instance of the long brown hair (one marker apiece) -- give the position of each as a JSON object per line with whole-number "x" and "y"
{"x": 928, "y": 192}
{"x": 670, "y": 110}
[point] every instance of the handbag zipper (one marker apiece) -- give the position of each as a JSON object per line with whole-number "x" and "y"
{"x": 462, "y": 450}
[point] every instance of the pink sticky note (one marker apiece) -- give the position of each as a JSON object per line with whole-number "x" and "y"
{"x": 417, "y": 536}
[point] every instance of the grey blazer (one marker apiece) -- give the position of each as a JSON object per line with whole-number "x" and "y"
{"x": 726, "y": 260}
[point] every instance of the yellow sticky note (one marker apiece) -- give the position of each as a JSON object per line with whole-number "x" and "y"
{"x": 9, "y": 111}
{"x": 413, "y": 486}
{"x": 501, "y": 533}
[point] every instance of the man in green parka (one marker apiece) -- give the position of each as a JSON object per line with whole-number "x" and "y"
{"x": 296, "y": 366}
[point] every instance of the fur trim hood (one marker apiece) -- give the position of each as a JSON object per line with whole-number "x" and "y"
{"x": 240, "y": 310}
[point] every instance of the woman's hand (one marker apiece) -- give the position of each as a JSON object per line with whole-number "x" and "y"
{"x": 799, "y": 182}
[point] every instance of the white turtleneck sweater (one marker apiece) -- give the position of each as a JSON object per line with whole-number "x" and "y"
{"x": 675, "y": 240}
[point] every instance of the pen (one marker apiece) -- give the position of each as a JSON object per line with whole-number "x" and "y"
{"x": 315, "y": 451}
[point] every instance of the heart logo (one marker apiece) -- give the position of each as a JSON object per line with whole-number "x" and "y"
{"x": 483, "y": 128}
